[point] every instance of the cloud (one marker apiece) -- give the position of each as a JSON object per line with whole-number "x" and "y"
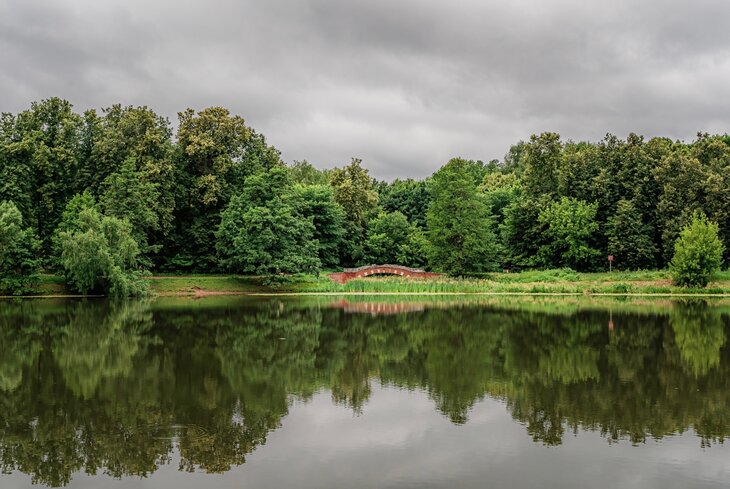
{"x": 403, "y": 85}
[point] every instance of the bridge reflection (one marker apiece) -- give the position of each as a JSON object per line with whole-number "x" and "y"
{"x": 377, "y": 308}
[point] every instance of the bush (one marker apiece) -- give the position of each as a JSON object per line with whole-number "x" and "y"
{"x": 697, "y": 253}
{"x": 101, "y": 256}
{"x": 19, "y": 264}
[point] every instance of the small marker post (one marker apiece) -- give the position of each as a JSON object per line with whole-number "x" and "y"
{"x": 610, "y": 263}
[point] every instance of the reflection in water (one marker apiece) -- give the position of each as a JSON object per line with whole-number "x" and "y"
{"x": 118, "y": 389}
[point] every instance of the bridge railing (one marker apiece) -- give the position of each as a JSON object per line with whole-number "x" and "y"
{"x": 398, "y": 267}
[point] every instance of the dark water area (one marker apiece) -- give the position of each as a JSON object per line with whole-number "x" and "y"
{"x": 325, "y": 393}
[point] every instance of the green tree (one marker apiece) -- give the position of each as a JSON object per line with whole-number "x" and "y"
{"x": 316, "y": 202}
{"x": 19, "y": 262}
{"x": 410, "y": 197}
{"x": 459, "y": 223}
{"x": 304, "y": 173}
{"x": 697, "y": 253}
{"x": 70, "y": 221}
{"x": 102, "y": 256}
{"x": 353, "y": 191}
{"x": 523, "y": 234}
{"x": 121, "y": 135}
{"x": 542, "y": 159}
{"x": 681, "y": 178}
{"x": 570, "y": 225}
{"x": 128, "y": 195}
{"x": 44, "y": 148}
{"x": 629, "y": 239}
{"x": 215, "y": 153}
{"x": 262, "y": 232}
{"x": 391, "y": 239}
{"x": 500, "y": 190}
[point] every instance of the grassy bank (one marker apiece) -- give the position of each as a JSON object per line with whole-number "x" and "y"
{"x": 529, "y": 282}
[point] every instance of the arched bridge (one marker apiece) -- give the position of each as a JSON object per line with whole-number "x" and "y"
{"x": 366, "y": 271}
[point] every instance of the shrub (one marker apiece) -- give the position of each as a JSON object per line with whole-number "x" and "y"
{"x": 697, "y": 253}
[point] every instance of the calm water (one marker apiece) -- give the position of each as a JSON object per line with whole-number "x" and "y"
{"x": 324, "y": 393}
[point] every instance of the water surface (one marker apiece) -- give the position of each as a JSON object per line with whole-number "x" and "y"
{"x": 352, "y": 393}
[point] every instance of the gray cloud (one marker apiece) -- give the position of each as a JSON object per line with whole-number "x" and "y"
{"x": 403, "y": 85}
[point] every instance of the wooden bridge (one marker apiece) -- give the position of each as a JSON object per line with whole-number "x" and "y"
{"x": 368, "y": 270}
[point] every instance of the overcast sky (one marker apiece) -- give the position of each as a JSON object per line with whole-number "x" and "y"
{"x": 402, "y": 84}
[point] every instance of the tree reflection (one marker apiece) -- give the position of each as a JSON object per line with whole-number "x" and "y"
{"x": 117, "y": 388}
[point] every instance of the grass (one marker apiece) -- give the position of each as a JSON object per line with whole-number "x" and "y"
{"x": 194, "y": 284}
{"x": 561, "y": 281}
{"x": 530, "y": 282}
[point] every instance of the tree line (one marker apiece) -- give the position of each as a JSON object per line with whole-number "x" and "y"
{"x": 106, "y": 195}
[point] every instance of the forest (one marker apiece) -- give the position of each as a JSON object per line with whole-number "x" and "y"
{"x": 107, "y": 197}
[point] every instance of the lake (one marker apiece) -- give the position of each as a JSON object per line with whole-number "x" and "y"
{"x": 364, "y": 392}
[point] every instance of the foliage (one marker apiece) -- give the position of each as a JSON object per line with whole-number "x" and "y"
{"x": 392, "y": 240}
{"x": 522, "y": 232}
{"x": 630, "y": 241}
{"x": 697, "y": 253}
{"x": 19, "y": 262}
{"x": 316, "y": 202}
{"x": 173, "y": 188}
{"x": 542, "y": 159}
{"x": 353, "y": 191}
{"x": 409, "y": 197}
{"x": 304, "y": 173}
{"x": 127, "y": 195}
{"x": 459, "y": 224}
{"x": 569, "y": 224}
{"x": 70, "y": 221}
{"x": 262, "y": 232}
{"x": 101, "y": 256}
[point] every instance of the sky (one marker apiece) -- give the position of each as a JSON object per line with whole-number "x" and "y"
{"x": 402, "y": 84}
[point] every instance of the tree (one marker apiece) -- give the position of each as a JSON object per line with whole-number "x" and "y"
{"x": 261, "y": 231}
{"x": 44, "y": 146}
{"x": 522, "y": 232}
{"x": 681, "y": 178}
{"x": 215, "y": 153}
{"x": 410, "y": 197}
{"x": 123, "y": 135}
{"x": 316, "y": 202}
{"x": 19, "y": 262}
{"x": 459, "y": 223}
{"x": 629, "y": 239}
{"x": 70, "y": 222}
{"x": 304, "y": 173}
{"x": 500, "y": 190}
{"x": 353, "y": 191}
{"x": 570, "y": 224}
{"x": 102, "y": 256}
{"x": 127, "y": 195}
{"x": 392, "y": 240}
{"x": 697, "y": 253}
{"x": 542, "y": 159}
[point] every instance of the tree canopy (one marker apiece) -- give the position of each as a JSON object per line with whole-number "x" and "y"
{"x": 548, "y": 203}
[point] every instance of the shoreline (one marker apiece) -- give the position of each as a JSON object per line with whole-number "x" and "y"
{"x": 223, "y": 293}
{"x": 555, "y": 283}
